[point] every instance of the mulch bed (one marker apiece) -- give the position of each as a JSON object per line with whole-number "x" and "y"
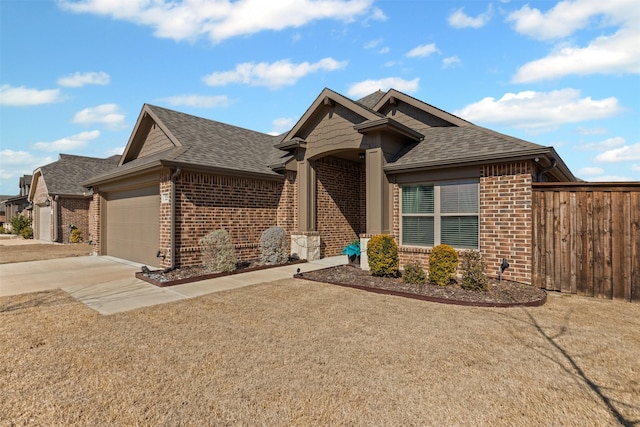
{"x": 184, "y": 275}
{"x": 499, "y": 293}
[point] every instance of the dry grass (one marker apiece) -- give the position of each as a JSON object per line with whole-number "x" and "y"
{"x": 37, "y": 252}
{"x": 300, "y": 353}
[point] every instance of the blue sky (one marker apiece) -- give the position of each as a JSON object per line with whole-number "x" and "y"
{"x": 74, "y": 74}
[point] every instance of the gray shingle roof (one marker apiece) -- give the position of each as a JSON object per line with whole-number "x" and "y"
{"x": 372, "y": 99}
{"x": 65, "y": 176}
{"x": 450, "y": 145}
{"x": 218, "y": 145}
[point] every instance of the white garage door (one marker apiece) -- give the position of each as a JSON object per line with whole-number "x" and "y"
{"x": 133, "y": 225}
{"x": 43, "y": 216}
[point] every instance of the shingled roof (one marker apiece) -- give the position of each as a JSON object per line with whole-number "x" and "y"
{"x": 63, "y": 177}
{"x": 219, "y": 145}
{"x": 201, "y": 143}
{"x": 452, "y": 144}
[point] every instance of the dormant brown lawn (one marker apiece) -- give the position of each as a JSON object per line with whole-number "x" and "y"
{"x": 299, "y": 353}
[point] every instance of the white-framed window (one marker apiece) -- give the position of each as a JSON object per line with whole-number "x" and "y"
{"x": 445, "y": 212}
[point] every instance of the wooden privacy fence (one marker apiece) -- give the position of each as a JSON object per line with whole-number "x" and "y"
{"x": 586, "y": 239}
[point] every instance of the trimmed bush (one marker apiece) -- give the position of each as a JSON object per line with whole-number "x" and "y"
{"x": 274, "y": 249}
{"x": 382, "y": 252}
{"x": 414, "y": 274}
{"x": 443, "y": 262}
{"x": 76, "y": 236}
{"x": 473, "y": 276}
{"x": 27, "y": 232}
{"x": 217, "y": 251}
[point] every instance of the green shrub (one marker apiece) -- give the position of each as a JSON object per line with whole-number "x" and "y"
{"x": 473, "y": 277}
{"x": 382, "y": 252}
{"x": 19, "y": 222}
{"x": 273, "y": 246}
{"x": 443, "y": 262}
{"x": 217, "y": 251}
{"x": 76, "y": 236}
{"x": 414, "y": 274}
{"x": 27, "y": 232}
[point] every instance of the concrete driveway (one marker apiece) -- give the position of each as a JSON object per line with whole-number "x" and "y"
{"x": 108, "y": 284}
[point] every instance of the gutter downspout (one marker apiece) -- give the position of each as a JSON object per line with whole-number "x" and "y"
{"x": 54, "y": 220}
{"x": 173, "y": 217}
{"x": 545, "y": 170}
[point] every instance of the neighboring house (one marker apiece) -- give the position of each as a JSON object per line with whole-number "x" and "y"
{"x": 3, "y": 217}
{"x": 18, "y": 205}
{"x": 387, "y": 163}
{"x": 60, "y": 201}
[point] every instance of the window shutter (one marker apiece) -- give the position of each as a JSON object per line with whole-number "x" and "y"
{"x": 417, "y": 199}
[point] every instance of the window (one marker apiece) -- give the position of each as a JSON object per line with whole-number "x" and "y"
{"x": 440, "y": 213}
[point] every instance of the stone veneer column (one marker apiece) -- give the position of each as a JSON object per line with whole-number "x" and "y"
{"x": 306, "y": 241}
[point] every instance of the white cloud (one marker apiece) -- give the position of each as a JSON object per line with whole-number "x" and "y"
{"x": 377, "y": 15}
{"x": 459, "y": 19}
{"x": 590, "y": 171}
{"x": 539, "y": 110}
{"x": 69, "y": 143}
{"x": 635, "y": 168}
{"x": 22, "y": 96}
{"x": 384, "y": 50}
{"x": 364, "y": 88}
{"x": 567, "y": 17}
{"x": 282, "y": 124}
{"x": 115, "y": 151}
{"x": 274, "y": 75}
{"x": 615, "y": 53}
{"x": 17, "y": 163}
{"x": 222, "y": 19}
{"x": 450, "y": 61}
{"x": 82, "y": 79}
{"x": 603, "y": 145}
{"x": 373, "y": 43}
{"x": 591, "y": 131}
{"x": 198, "y": 101}
{"x": 610, "y": 178}
{"x": 422, "y": 50}
{"x": 107, "y": 114}
{"x": 622, "y": 154}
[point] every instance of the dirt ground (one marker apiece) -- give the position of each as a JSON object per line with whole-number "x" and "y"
{"x": 295, "y": 352}
{"x": 10, "y": 253}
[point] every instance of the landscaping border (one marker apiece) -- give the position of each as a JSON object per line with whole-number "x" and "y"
{"x": 140, "y": 275}
{"x": 534, "y": 303}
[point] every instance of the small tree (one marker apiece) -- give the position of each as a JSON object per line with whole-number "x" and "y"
{"x": 218, "y": 252}
{"x": 414, "y": 274}
{"x": 18, "y": 223}
{"x": 473, "y": 276}
{"x": 273, "y": 246}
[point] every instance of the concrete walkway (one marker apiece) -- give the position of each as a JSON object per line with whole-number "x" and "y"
{"x": 108, "y": 284}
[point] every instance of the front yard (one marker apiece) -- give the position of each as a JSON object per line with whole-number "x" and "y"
{"x": 300, "y": 353}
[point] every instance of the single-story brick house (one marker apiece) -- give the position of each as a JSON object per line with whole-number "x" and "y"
{"x": 387, "y": 163}
{"x": 58, "y": 198}
{"x": 18, "y": 205}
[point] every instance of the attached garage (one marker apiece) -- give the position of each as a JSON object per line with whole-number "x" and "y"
{"x": 133, "y": 225}
{"x": 43, "y": 221}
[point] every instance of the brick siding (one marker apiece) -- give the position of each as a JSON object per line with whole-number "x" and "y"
{"x": 73, "y": 211}
{"x": 505, "y": 221}
{"x": 339, "y": 216}
{"x": 244, "y": 207}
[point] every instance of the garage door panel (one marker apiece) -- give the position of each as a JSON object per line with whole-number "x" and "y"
{"x": 133, "y": 230}
{"x": 44, "y": 222}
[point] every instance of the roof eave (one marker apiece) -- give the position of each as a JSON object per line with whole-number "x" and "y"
{"x": 387, "y": 123}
